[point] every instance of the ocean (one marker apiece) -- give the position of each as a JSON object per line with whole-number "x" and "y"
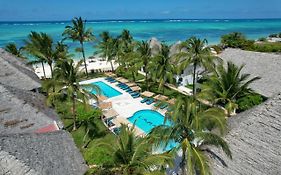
{"x": 169, "y": 31}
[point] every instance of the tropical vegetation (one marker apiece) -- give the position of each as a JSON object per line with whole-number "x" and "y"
{"x": 13, "y": 49}
{"x": 194, "y": 119}
{"x": 191, "y": 131}
{"x": 78, "y": 32}
{"x": 227, "y": 85}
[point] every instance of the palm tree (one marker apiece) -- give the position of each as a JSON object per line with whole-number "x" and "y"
{"x": 86, "y": 118}
{"x": 227, "y": 85}
{"x": 40, "y": 45}
{"x": 79, "y": 32}
{"x": 145, "y": 57}
{"x": 133, "y": 155}
{"x": 192, "y": 131}
{"x": 66, "y": 79}
{"x": 162, "y": 68}
{"x": 198, "y": 55}
{"x": 108, "y": 47}
{"x": 12, "y": 48}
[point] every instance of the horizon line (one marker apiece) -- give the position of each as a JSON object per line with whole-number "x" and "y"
{"x": 140, "y": 19}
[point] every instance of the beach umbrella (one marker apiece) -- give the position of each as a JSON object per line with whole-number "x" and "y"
{"x": 172, "y": 101}
{"x": 106, "y": 105}
{"x": 109, "y": 114}
{"x": 101, "y": 98}
{"x": 147, "y": 94}
{"x": 131, "y": 84}
{"x": 123, "y": 80}
{"x": 160, "y": 97}
{"x": 136, "y": 88}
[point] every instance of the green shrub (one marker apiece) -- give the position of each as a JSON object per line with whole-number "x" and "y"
{"x": 217, "y": 48}
{"x": 249, "y": 101}
{"x": 274, "y": 35}
{"x": 236, "y": 40}
{"x": 267, "y": 47}
{"x": 263, "y": 39}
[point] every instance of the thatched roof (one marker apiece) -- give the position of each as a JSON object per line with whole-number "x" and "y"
{"x": 23, "y": 111}
{"x": 254, "y": 140}
{"x": 155, "y": 46}
{"x": 14, "y": 72}
{"x": 265, "y": 65}
{"x": 45, "y": 154}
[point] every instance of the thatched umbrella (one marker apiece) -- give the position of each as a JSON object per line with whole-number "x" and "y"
{"x": 147, "y": 94}
{"x": 131, "y": 84}
{"x": 102, "y": 98}
{"x": 123, "y": 80}
{"x": 109, "y": 114}
{"x": 136, "y": 88}
{"x": 172, "y": 101}
{"x": 160, "y": 97}
{"x": 106, "y": 105}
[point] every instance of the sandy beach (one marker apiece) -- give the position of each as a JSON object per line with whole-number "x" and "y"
{"x": 96, "y": 64}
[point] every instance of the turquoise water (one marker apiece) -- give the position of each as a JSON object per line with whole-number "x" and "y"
{"x": 149, "y": 119}
{"x": 106, "y": 90}
{"x": 165, "y": 30}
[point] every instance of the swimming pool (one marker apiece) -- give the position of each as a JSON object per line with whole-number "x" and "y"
{"x": 147, "y": 120}
{"x": 106, "y": 90}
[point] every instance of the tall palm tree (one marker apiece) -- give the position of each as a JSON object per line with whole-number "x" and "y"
{"x": 198, "y": 55}
{"x": 108, "y": 48}
{"x": 192, "y": 131}
{"x": 133, "y": 155}
{"x": 227, "y": 85}
{"x": 162, "y": 68}
{"x": 40, "y": 45}
{"x": 79, "y": 32}
{"x": 66, "y": 79}
{"x": 86, "y": 118}
{"x": 145, "y": 57}
{"x": 12, "y": 48}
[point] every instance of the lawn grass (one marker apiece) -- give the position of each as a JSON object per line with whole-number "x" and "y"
{"x": 94, "y": 153}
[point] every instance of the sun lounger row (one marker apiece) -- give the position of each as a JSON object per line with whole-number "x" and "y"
{"x": 159, "y": 104}
{"x": 110, "y": 79}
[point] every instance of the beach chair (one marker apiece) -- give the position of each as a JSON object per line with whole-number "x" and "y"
{"x": 150, "y": 101}
{"x": 163, "y": 106}
{"x": 133, "y": 94}
{"x": 136, "y": 96}
{"x": 129, "y": 90}
{"x": 144, "y": 100}
{"x": 157, "y": 104}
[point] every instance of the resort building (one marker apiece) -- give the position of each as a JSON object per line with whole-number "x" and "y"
{"x": 31, "y": 139}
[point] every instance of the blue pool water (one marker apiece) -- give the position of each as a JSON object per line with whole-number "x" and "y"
{"x": 106, "y": 90}
{"x": 147, "y": 120}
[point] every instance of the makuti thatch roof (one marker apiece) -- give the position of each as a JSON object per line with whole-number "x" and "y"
{"x": 155, "y": 46}
{"x": 43, "y": 154}
{"x": 23, "y": 111}
{"x": 255, "y": 142}
{"x": 265, "y": 65}
{"x": 14, "y": 72}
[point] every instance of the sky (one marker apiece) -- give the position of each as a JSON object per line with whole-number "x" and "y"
{"x": 47, "y": 10}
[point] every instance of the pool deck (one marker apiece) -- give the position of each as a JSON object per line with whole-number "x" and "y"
{"x": 125, "y": 105}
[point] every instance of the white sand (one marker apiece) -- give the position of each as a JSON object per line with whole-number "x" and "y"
{"x": 92, "y": 65}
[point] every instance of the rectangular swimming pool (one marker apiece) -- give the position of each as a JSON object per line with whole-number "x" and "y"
{"x": 106, "y": 90}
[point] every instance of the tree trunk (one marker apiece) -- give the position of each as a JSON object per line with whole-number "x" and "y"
{"x": 43, "y": 69}
{"x": 146, "y": 81}
{"x": 134, "y": 78}
{"x": 194, "y": 79}
{"x": 84, "y": 59}
{"x": 74, "y": 112}
{"x": 51, "y": 68}
{"x": 112, "y": 68}
{"x": 183, "y": 164}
